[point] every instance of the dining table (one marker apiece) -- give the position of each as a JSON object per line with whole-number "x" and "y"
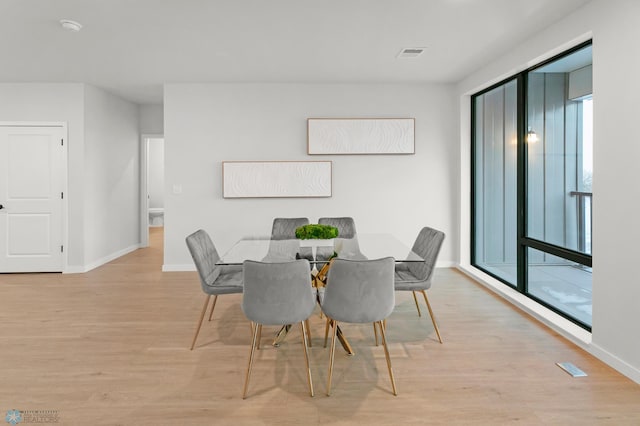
{"x": 319, "y": 253}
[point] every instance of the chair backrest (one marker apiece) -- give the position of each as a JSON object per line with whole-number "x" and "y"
{"x": 277, "y": 293}
{"x": 359, "y": 291}
{"x": 284, "y": 228}
{"x": 346, "y": 225}
{"x": 282, "y": 250}
{"x": 427, "y": 246}
{"x": 204, "y": 256}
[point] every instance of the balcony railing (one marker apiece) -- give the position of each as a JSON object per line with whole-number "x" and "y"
{"x": 585, "y": 224}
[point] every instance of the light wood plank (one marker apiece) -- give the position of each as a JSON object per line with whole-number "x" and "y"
{"x": 112, "y": 347}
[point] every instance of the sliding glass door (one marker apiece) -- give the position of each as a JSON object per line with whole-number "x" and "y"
{"x": 532, "y": 170}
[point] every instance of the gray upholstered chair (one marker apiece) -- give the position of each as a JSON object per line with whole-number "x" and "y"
{"x": 359, "y": 291}
{"x": 277, "y": 294}
{"x": 214, "y": 279}
{"x": 416, "y": 276}
{"x": 346, "y": 231}
{"x": 346, "y": 225}
{"x": 284, "y": 228}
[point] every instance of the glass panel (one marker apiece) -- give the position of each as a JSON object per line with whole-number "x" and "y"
{"x": 559, "y": 152}
{"x": 560, "y": 283}
{"x": 495, "y": 181}
{"x": 363, "y": 246}
{"x": 585, "y": 199}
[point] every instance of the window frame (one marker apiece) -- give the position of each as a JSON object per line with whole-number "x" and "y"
{"x": 524, "y": 242}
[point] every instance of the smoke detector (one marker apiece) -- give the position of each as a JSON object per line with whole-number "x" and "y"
{"x": 411, "y": 52}
{"x": 70, "y": 25}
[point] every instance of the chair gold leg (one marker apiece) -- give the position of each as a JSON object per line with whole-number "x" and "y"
{"x": 375, "y": 331}
{"x": 308, "y": 332}
{"x": 215, "y": 299}
{"x": 326, "y": 331}
{"x": 415, "y": 299}
{"x": 306, "y": 355}
{"x": 204, "y": 311}
{"x": 331, "y": 356}
{"x": 259, "y": 335}
{"x": 433, "y": 319}
{"x": 253, "y": 347}
{"x": 386, "y": 354}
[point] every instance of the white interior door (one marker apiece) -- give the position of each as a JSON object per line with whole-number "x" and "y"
{"x": 31, "y": 184}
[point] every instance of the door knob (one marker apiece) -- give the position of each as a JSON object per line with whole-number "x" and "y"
{"x": 1, "y": 207}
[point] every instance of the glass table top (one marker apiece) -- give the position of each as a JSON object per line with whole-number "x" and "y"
{"x": 363, "y": 246}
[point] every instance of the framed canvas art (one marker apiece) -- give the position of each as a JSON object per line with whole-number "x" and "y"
{"x": 273, "y": 179}
{"x": 360, "y": 136}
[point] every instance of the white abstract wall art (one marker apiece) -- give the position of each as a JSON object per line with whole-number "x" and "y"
{"x": 274, "y": 179}
{"x": 360, "y": 136}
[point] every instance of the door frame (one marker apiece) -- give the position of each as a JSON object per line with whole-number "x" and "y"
{"x": 64, "y": 171}
{"x": 144, "y": 185}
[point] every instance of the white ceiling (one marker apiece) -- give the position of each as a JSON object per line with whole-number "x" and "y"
{"x": 132, "y": 47}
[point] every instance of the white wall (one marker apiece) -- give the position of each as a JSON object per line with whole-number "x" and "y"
{"x": 206, "y": 124}
{"x": 32, "y": 102}
{"x": 111, "y": 181}
{"x": 151, "y": 119}
{"x": 615, "y": 27}
{"x": 616, "y": 235}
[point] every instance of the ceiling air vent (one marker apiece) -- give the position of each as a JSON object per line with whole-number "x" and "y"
{"x": 411, "y": 52}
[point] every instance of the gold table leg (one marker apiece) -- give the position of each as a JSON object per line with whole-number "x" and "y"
{"x": 281, "y": 335}
{"x": 338, "y": 332}
{"x": 319, "y": 280}
{"x": 343, "y": 341}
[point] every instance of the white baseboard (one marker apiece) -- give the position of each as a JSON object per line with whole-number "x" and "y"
{"x": 102, "y": 261}
{"x": 613, "y": 361}
{"x": 572, "y": 332}
{"x": 566, "y": 328}
{"x": 179, "y": 268}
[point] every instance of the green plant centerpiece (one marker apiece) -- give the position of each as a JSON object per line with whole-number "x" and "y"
{"x": 316, "y": 232}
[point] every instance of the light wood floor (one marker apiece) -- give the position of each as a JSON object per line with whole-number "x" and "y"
{"x": 110, "y": 347}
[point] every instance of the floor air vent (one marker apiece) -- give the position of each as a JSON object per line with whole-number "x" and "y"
{"x": 411, "y": 52}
